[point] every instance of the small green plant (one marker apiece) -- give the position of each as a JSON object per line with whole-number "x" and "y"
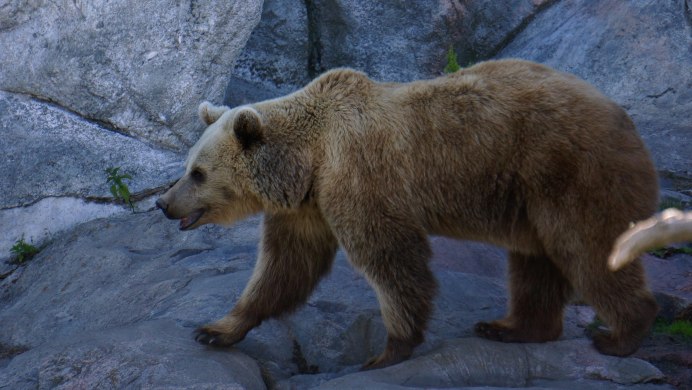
{"x": 119, "y": 189}
{"x": 678, "y": 327}
{"x": 23, "y": 251}
{"x": 452, "y": 64}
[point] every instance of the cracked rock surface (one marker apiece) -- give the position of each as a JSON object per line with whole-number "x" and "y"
{"x": 53, "y": 153}
{"x": 53, "y": 172}
{"x": 297, "y": 40}
{"x": 139, "y": 67}
{"x": 115, "y": 302}
{"x": 85, "y": 86}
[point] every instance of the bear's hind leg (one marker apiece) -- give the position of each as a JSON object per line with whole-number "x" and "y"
{"x": 538, "y": 295}
{"x": 296, "y": 251}
{"x": 622, "y": 300}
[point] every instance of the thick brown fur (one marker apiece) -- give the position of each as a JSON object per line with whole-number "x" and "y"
{"x": 507, "y": 152}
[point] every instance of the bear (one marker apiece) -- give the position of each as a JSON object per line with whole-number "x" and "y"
{"x": 508, "y": 152}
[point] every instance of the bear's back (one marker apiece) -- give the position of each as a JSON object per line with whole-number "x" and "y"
{"x": 493, "y": 141}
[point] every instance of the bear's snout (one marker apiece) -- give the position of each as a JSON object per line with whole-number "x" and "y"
{"x": 163, "y": 205}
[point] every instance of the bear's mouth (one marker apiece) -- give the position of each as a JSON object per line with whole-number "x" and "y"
{"x": 187, "y": 222}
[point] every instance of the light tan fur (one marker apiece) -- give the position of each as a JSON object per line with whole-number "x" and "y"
{"x": 669, "y": 226}
{"x": 507, "y": 152}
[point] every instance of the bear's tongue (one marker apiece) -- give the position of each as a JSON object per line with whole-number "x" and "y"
{"x": 187, "y": 221}
{"x": 184, "y": 222}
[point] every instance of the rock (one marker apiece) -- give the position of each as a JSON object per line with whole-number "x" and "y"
{"x": 672, "y": 353}
{"x": 297, "y": 40}
{"x": 475, "y": 362}
{"x": 346, "y": 311}
{"x": 88, "y": 86}
{"x": 140, "y": 68}
{"x": 54, "y": 172}
{"x": 38, "y": 223}
{"x": 672, "y": 198}
{"x": 117, "y": 299}
{"x": 134, "y": 270}
{"x": 275, "y": 60}
{"x": 152, "y": 354}
{"x": 388, "y": 41}
{"x": 469, "y": 257}
{"x": 637, "y": 53}
{"x": 672, "y": 275}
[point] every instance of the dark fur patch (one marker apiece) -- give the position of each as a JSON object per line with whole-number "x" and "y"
{"x": 248, "y": 129}
{"x": 227, "y": 193}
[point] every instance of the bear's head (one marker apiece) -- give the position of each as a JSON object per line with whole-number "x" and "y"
{"x": 243, "y": 163}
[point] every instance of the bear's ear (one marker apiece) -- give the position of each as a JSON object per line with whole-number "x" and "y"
{"x": 247, "y": 127}
{"x": 210, "y": 113}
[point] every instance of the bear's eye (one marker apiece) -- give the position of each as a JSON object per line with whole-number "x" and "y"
{"x": 197, "y": 175}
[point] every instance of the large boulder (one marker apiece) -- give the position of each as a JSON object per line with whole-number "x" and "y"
{"x": 275, "y": 60}
{"x": 137, "y": 67}
{"x": 391, "y": 41}
{"x": 86, "y": 86}
{"x": 638, "y": 53}
{"x": 155, "y": 354}
{"x": 53, "y": 173}
{"x": 464, "y": 363}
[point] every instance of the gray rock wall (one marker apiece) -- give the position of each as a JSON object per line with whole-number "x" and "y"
{"x": 638, "y": 53}
{"x": 138, "y": 67}
{"x": 297, "y": 40}
{"x": 88, "y": 85}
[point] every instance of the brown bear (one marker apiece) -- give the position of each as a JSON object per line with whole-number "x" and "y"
{"x": 508, "y": 152}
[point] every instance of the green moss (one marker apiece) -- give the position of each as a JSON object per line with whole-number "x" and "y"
{"x": 676, "y": 328}
{"x": 23, "y": 251}
{"x": 452, "y": 64}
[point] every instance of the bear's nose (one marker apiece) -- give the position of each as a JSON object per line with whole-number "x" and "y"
{"x": 160, "y": 203}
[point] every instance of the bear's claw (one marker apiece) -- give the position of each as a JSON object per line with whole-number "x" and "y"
{"x": 208, "y": 337}
{"x": 606, "y": 344}
{"x": 489, "y": 331}
{"x": 213, "y": 336}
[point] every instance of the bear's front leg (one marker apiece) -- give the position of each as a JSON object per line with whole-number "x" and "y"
{"x": 228, "y": 330}
{"x": 296, "y": 251}
{"x": 394, "y": 258}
